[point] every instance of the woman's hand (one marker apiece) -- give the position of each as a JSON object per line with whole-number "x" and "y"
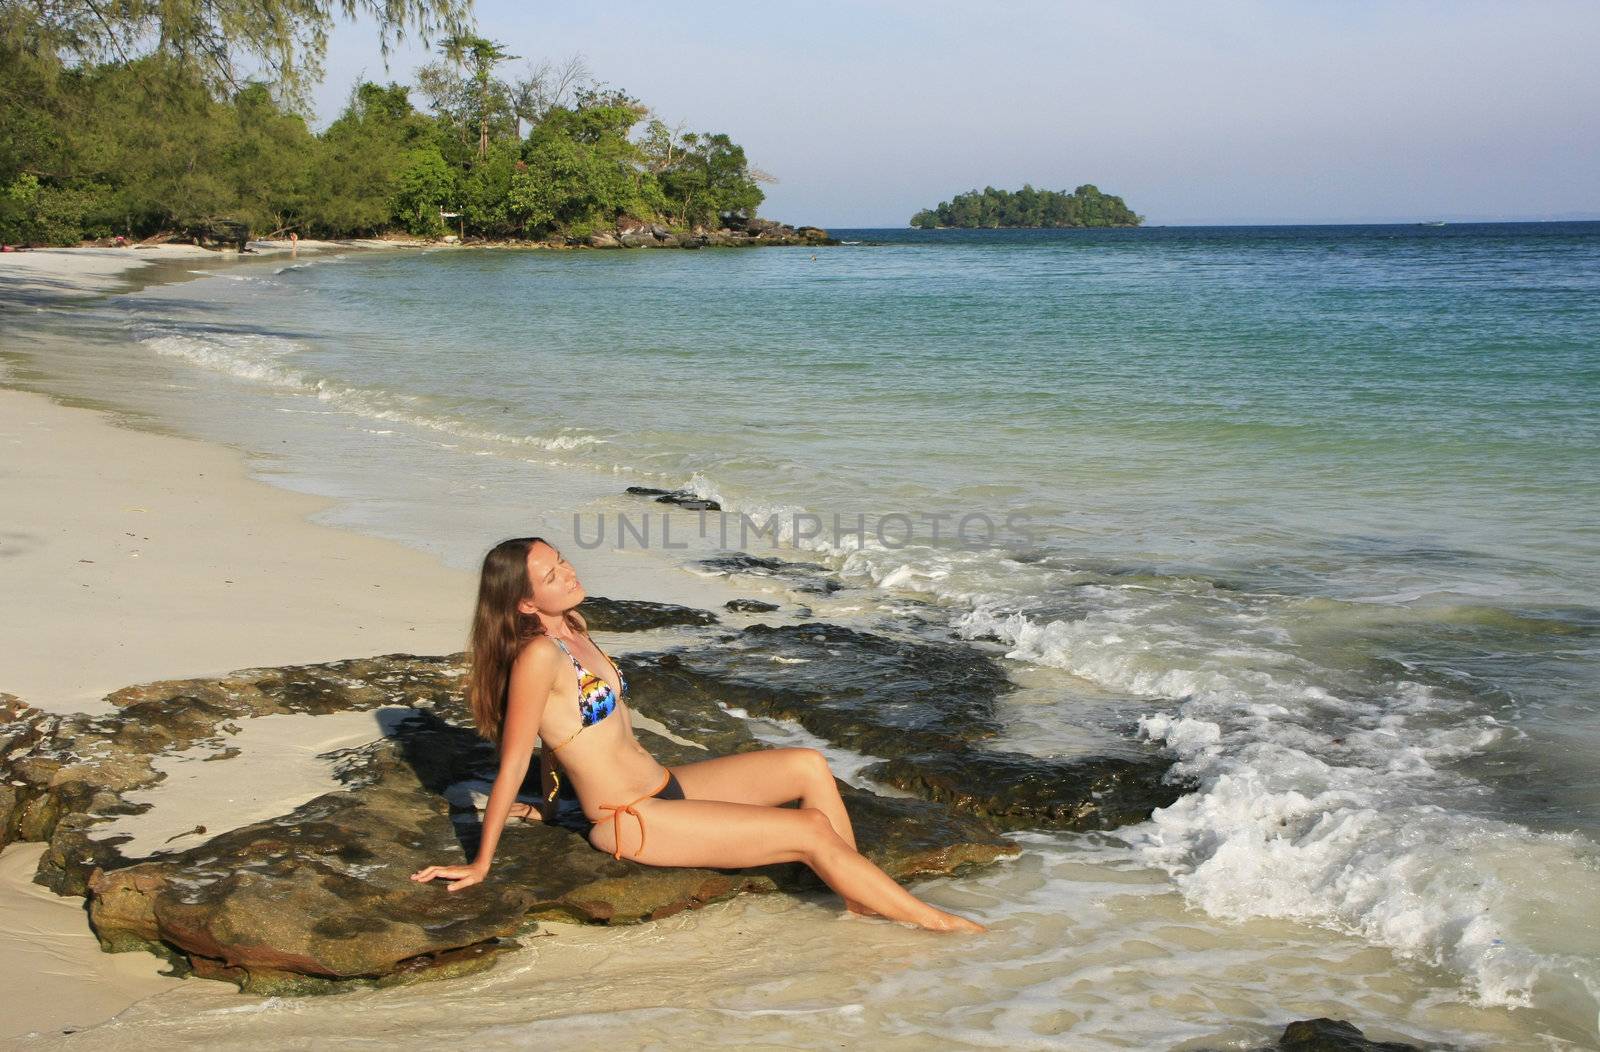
{"x": 463, "y": 876}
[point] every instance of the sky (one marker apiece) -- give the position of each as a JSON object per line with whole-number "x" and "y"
{"x": 1194, "y": 113}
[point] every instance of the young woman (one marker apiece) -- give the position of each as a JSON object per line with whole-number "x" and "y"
{"x": 535, "y": 673}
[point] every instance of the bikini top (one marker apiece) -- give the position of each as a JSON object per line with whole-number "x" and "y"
{"x": 596, "y": 699}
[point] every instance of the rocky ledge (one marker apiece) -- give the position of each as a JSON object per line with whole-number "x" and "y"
{"x": 319, "y": 898}
{"x": 738, "y": 233}
{"x": 628, "y": 232}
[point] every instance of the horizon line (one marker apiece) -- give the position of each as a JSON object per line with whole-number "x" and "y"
{"x": 1582, "y": 217}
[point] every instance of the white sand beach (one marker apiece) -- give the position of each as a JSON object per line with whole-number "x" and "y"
{"x": 146, "y": 556}
{"x": 128, "y": 557}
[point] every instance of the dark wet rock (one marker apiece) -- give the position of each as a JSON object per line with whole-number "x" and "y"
{"x": 637, "y": 615}
{"x": 323, "y": 893}
{"x": 69, "y": 772}
{"x": 659, "y": 687}
{"x": 682, "y": 498}
{"x": 749, "y": 606}
{"x": 802, "y": 577}
{"x": 926, "y": 706}
{"x": 1015, "y": 791}
{"x": 1333, "y": 1035}
{"x": 22, "y": 728}
{"x": 868, "y": 692}
{"x": 320, "y": 898}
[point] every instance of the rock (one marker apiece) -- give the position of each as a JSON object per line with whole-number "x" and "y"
{"x": 749, "y": 606}
{"x": 636, "y": 615}
{"x": 320, "y": 898}
{"x": 8, "y": 814}
{"x": 637, "y": 239}
{"x": 630, "y": 225}
{"x": 682, "y": 498}
{"x": 1015, "y": 791}
{"x": 802, "y": 577}
{"x": 926, "y": 706}
{"x": 601, "y": 239}
{"x": 882, "y": 696}
{"x": 451, "y": 239}
{"x": 322, "y": 894}
{"x": 1333, "y": 1035}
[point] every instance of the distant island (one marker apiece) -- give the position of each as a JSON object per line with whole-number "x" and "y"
{"x": 1085, "y": 206}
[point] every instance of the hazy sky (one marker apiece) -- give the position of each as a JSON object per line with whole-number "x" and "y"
{"x": 1225, "y": 112}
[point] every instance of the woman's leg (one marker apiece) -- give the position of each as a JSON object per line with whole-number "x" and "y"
{"x": 769, "y": 777}
{"x": 721, "y": 835}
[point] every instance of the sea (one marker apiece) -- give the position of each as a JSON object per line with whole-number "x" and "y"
{"x": 1313, "y": 508}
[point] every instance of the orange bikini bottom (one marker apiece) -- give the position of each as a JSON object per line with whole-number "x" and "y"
{"x": 667, "y": 790}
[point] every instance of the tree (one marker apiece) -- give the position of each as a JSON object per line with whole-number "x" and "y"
{"x": 478, "y": 56}
{"x": 1085, "y": 206}
{"x": 285, "y": 40}
{"x": 545, "y": 87}
{"x": 356, "y": 178}
{"x": 704, "y": 176}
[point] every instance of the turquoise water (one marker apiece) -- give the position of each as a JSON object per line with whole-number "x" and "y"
{"x": 1313, "y": 507}
{"x": 1254, "y": 395}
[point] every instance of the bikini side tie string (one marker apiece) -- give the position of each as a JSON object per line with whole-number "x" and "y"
{"x": 617, "y": 809}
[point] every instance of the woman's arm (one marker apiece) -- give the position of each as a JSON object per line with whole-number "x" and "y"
{"x": 532, "y": 677}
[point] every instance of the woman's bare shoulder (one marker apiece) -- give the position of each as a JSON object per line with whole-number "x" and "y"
{"x": 539, "y": 650}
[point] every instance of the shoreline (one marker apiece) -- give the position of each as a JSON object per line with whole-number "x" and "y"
{"x": 145, "y": 556}
{"x": 203, "y": 525}
{"x": 257, "y": 585}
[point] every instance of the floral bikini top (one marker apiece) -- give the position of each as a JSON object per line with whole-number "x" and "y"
{"x": 596, "y": 699}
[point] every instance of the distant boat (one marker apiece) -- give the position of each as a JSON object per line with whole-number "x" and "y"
{"x": 1436, "y": 222}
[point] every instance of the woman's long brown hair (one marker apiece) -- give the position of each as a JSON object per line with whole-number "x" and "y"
{"x": 500, "y": 631}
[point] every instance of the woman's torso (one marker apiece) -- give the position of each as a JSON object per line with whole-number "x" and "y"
{"x": 603, "y": 761}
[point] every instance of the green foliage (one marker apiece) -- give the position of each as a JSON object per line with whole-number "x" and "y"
{"x": 486, "y": 193}
{"x": 138, "y": 126}
{"x": 207, "y": 39}
{"x": 1086, "y": 206}
{"x": 424, "y": 187}
{"x": 710, "y": 179}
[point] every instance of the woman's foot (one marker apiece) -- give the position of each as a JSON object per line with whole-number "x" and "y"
{"x": 942, "y": 921}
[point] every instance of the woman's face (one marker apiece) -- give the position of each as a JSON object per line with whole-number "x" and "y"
{"x": 555, "y": 582}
